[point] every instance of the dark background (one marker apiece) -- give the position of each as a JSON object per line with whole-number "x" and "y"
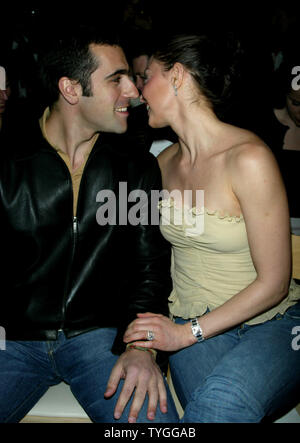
{"x": 266, "y": 29}
{"x": 263, "y": 24}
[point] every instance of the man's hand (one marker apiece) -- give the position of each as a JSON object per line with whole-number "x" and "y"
{"x": 141, "y": 374}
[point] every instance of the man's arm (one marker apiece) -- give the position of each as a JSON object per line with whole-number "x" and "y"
{"x": 149, "y": 281}
{"x": 148, "y": 288}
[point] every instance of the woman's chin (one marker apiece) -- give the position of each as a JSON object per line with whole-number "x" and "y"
{"x": 156, "y": 124}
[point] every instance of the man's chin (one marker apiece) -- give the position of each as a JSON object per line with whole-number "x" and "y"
{"x": 120, "y": 130}
{"x": 115, "y": 129}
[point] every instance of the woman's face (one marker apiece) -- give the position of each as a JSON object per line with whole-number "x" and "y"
{"x": 157, "y": 94}
{"x": 293, "y": 106}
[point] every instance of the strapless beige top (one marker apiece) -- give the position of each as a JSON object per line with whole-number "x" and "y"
{"x": 211, "y": 261}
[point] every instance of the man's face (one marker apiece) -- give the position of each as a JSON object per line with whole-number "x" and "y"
{"x": 158, "y": 95}
{"x": 293, "y": 106}
{"x": 139, "y": 66}
{"x": 106, "y": 110}
{"x": 4, "y": 90}
{"x": 3, "y": 100}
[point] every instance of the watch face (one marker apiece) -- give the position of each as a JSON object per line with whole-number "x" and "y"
{"x": 196, "y": 330}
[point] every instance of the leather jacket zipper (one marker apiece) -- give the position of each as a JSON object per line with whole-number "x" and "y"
{"x": 75, "y": 233}
{"x": 75, "y": 226}
{"x": 74, "y": 240}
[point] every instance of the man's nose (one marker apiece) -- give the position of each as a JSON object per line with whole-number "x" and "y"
{"x": 131, "y": 90}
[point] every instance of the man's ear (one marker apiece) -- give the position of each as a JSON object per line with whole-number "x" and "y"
{"x": 70, "y": 90}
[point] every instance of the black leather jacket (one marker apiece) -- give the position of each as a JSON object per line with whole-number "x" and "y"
{"x": 61, "y": 272}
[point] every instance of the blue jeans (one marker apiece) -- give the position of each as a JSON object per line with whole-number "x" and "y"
{"x": 27, "y": 369}
{"x": 243, "y": 375}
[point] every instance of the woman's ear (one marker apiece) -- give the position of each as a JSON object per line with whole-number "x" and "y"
{"x": 70, "y": 90}
{"x": 177, "y": 76}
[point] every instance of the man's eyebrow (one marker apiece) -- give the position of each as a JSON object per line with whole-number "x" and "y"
{"x": 118, "y": 72}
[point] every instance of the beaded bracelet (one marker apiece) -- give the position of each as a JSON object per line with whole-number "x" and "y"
{"x": 140, "y": 348}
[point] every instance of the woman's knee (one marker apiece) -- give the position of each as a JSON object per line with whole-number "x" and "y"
{"x": 223, "y": 400}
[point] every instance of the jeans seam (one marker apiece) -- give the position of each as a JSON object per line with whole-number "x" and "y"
{"x": 23, "y": 403}
{"x": 50, "y": 353}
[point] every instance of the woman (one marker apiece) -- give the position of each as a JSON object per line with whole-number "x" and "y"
{"x": 232, "y": 307}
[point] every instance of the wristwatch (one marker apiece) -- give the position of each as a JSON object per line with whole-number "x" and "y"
{"x": 197, "y": 330}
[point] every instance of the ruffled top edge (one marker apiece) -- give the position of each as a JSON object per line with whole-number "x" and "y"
{"x": 170, "y": 202}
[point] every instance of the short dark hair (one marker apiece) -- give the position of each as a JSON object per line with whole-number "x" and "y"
{"x": 71, "y": 57}
{"x": 213, "y": 61}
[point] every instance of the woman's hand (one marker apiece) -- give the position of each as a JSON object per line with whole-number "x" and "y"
{"x": 168, "y": 336}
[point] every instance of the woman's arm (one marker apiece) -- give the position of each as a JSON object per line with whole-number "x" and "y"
{"x": 257, "y": 185}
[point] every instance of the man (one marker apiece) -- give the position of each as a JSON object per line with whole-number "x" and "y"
{"x": 155, "y": 140}
{"x": 3, "y": 100}
{"x": 4, "y": 94}
{"x": 139, "y": 66}
{"x": 71, "y": 283}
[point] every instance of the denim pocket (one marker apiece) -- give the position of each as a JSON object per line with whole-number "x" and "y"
{"x": 293, "y": 311}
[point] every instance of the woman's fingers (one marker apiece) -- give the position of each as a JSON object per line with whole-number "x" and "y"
{"x": 148, "y": 315}
{"x": 138, "y": 329}
{"x": 134, "y": 336}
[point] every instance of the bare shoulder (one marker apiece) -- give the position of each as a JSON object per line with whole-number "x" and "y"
{"x": 252, "y": 167}
{"x": 167, "y": 154}
{"x": 249, "y": 154}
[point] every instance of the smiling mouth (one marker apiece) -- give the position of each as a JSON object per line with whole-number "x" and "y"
{"x": 122, "y": 109}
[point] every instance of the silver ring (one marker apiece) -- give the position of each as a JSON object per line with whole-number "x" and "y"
{"x": 150, "y": 335}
